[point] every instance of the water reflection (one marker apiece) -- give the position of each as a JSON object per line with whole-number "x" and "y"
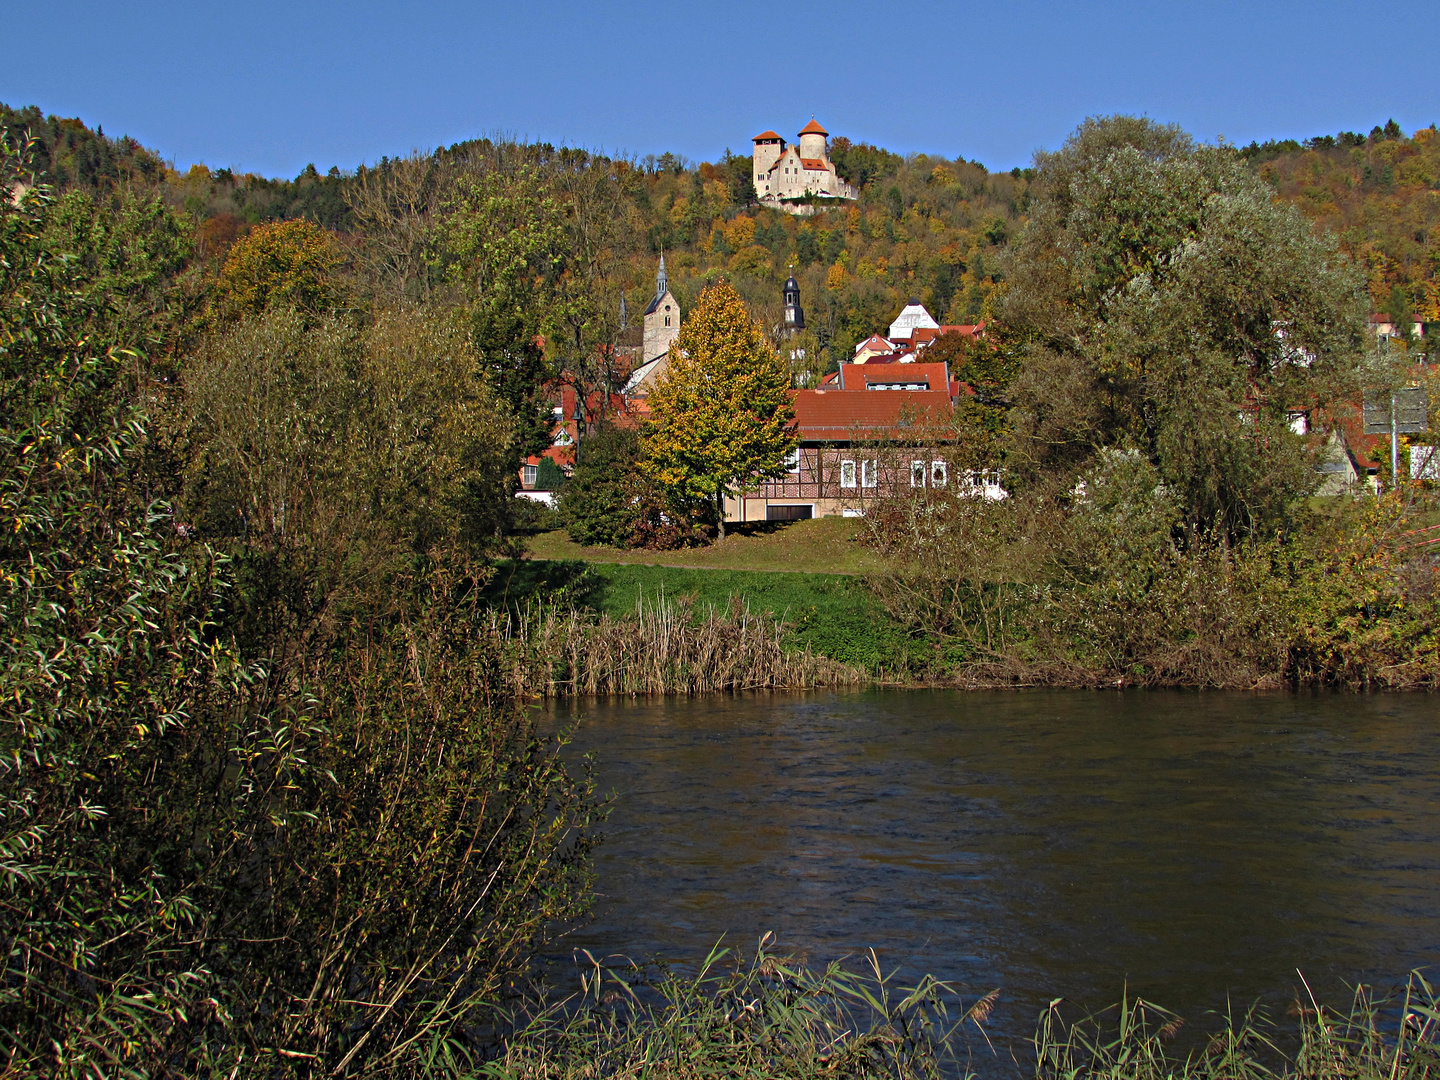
{"x": 1052, "y": 844}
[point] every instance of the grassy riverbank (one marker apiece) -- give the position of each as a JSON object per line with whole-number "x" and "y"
{"x": 770, "y": 1017}
{"x": 819, "y": 546}
{"x": 831, "y": 615}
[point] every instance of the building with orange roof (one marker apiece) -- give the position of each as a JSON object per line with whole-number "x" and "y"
{"x": 793, "y": 178}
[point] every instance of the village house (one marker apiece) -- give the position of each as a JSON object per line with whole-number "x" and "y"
{"x": 913, "y": 330}
{"x": 873, "y": 428}
{"x": 790, "y": 177}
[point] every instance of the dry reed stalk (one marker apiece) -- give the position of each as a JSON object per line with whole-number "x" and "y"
{"x": 662, "y": 648}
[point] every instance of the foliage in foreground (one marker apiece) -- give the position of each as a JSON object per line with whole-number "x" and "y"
{"x": 766, "y": 1017}
{"x": 309, "y": 841}
{"x": 771, "y": 1017}
{"x": 1396, "y": 1038}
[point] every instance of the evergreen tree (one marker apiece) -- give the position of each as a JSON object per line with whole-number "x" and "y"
{"x": 599, "y": 502}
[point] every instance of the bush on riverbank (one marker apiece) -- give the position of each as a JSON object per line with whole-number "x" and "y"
{"x": 267, "y": 804}
{"x": 772, "y": 1017}
{"x": 1097, "y": 591}
{"x": 768, "y": 1018}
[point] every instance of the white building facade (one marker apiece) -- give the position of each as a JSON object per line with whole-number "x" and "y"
{"x": 783, "y": 174}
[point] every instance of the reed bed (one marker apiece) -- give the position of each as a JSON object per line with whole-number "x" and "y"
{"x": 664, "y": 647}
{"x": 766, "y": 1017}
{"x": 773, "y": 1017}
{"x": 1396, "y": 1037}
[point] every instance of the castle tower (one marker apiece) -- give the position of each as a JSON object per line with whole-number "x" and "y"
{"x": 794, "y": 313}
{"x": 768, "y": 148}
{"x": 812, "y": 141}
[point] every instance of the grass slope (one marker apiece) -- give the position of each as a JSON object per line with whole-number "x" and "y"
{"x": 770, "y": 568}
{"x": 822, "y": 545}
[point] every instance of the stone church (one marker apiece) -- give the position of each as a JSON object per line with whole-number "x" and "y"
{"x": 783, "y": 174}
{"x": 661, "y": 327}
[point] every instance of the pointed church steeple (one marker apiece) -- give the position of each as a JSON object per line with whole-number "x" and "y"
{"x": 662, "y": 280}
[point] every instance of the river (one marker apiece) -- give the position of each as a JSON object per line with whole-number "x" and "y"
{"x": 1188, "y": 846}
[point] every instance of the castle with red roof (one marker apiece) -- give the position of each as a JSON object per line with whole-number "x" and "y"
{"x": 789, "y": 177}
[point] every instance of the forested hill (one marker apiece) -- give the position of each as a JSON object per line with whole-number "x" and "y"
{"x": 924, "y": 226}
{"x": 1381, "y": 194}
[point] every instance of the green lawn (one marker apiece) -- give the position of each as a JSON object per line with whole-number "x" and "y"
{"x": 833, "y": 613}
{"x": 821, "y": 545}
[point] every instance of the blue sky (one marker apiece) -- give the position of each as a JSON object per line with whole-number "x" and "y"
{"x": 268, "y": 86}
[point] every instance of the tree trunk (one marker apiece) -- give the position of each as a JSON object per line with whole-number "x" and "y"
{"x": 720, "y": 511}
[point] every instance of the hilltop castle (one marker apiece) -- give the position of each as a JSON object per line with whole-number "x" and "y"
{"x": 784, "y": 174}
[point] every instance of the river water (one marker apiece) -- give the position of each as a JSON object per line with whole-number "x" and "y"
{"x": 1188, "y": 846}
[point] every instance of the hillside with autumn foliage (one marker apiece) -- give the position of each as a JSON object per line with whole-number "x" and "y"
{"x": 1380, "y": 194}
{"x": 924, "y": 226}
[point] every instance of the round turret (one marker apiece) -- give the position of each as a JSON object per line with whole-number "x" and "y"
{"x": 812, "y": 141}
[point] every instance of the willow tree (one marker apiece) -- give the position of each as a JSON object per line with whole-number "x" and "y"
{"x": 1161, "y": 301}
{"x": 721, "y": 417}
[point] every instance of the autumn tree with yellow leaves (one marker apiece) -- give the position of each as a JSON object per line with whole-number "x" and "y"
{"x": 721, "y": 418}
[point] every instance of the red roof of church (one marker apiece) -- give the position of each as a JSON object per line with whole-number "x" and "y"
{"x": 765, "y": 135}
{"x": 813, "y": 128}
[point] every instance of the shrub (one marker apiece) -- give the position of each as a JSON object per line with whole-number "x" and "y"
{"x": 598, "y": 505}
{"x": 320, "y": 847}
{"x": 548, "y": 476}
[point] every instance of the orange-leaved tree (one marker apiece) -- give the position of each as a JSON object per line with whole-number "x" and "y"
{"x": 292, "y": 263}
{"x": 721, "y": 417}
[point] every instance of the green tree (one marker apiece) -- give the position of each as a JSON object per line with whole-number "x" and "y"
{"x": 1161, "y": 299}
{"x": 288, "y": 263}
{"x": 721, "y": 416}
{"x": 548, "y": 477}
{"x": 599, "y": 504}
{"x": 502, "y": 234}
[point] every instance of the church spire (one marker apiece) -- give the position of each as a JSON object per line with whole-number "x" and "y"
{"x": 662, "y": 280}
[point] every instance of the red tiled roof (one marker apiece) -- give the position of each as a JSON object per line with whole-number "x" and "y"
{"x": 815, "y": 164}
{"x": 861, "y": 376}
{"x": 766, "y": 135}
{"x": 836, "y": 415}
{"x": 813, "y": 128}
{"x": 876, "y": 340}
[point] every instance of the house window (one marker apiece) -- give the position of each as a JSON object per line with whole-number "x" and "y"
{"x": 939, "y": 474}
{"x": 847, "y": 474}
{"x": 528, "y": 475}
{"x": 869, "y": 473}
{"x": 792, "y": 461}
{"x": 917, "y": 474}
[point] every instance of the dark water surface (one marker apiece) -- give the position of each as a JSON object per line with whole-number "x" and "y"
{"x": 1046, "y": 843}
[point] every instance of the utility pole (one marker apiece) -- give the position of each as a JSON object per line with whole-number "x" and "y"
{"x": 1394, "y": 442}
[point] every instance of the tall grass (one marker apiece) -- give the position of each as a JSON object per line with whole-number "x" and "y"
{"x": 765, "y": 1017}
{"x": 1392, "y": 1038}
{"x": 772, "y": 1017}
{"x": 664, "y": 647}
